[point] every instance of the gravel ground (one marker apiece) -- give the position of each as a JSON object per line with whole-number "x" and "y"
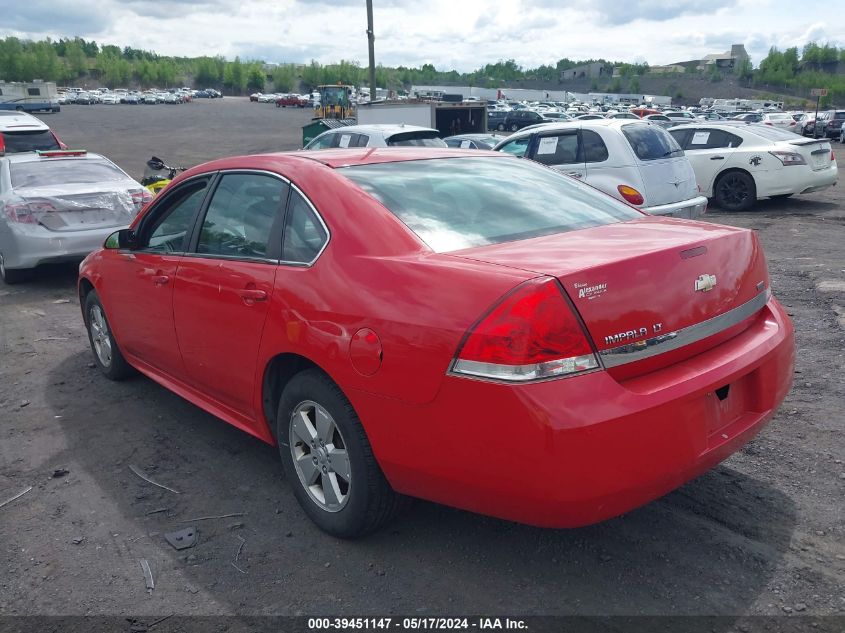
{"x": 762, "y": 534}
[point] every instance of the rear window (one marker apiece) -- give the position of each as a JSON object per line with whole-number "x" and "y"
{"x": 650, "y": 142}
{"x": 29, "y": 141}
{"x": 457, "y": 203}
{"x": 771, "y": 133}
{"x": 417, "y": 139}
{"x": 51, "y": 171}
{"x": 839, "y": 115}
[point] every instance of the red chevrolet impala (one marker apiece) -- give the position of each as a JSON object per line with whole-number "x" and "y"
{"x": 464, "y": 327}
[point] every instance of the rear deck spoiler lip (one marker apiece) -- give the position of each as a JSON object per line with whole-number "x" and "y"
{"x": 639, "y": 350}
{"x": 809, "y": 141}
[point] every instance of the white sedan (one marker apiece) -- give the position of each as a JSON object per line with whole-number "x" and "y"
{"x": 738, "y": 163}
{"x": 782, "y": 120}
{"x": 60, "y": 205}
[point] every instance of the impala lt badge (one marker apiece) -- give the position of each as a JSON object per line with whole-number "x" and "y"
{"x": 705, "y": 283}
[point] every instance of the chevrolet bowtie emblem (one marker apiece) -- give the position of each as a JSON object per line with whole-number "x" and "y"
{"x": 705, "y": 283}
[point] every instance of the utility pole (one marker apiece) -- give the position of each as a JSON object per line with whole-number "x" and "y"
{"x": 372, "y": 38}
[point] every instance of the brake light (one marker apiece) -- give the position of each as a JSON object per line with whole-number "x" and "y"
{"x": 58, "y": 140}
{"x": 61, "y": 153}
{"x": 140, "y": 197}
{"x": 26, "y": 212}
{"x": 630, "y": 194}
{"x": 2, "y": 145}
{"x": 530, "y": 334}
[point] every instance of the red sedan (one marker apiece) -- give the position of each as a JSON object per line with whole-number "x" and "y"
{"x": 467, "y": 328}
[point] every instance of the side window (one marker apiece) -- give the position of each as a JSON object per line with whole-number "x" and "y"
{"x": 595, "y": 151}
{"x": 557, "y": 150}
{"x": 172, "y": 222}
{"x": 322, "y": 142}
{"x": 304, "y": 235}
{"x": 733, "y": 140}
{"x": 241, "y": 215}
{"x": 517, "y": 147}
{"x": 682, "y": 137}
{"x": 363, "y": 139}
{"x": 713, "y": 139}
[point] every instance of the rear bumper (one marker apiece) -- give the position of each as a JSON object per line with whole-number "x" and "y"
{"x": 795, "y": 179}
{"x": 687, "y": 209}
{"x": 571, "y": 452}
{"x": 27, "y": 248}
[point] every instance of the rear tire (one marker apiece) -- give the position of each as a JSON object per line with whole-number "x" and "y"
{"x": 501, "y": 127}
{"x": 735, "y": 191}
{"x": 14, "y": 276}
{"x": 315, "y": 425}
{"x": 107, "y": 354}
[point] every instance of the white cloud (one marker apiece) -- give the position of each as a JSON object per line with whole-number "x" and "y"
{"x": 463, "y": 35}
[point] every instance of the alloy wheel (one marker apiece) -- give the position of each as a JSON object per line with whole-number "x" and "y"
{"x": 319, "y": 456}
{"x": 734, "y": 190}
{"x": 100, "y": 335}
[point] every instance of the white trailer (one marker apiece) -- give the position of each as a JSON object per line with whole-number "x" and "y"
{"x": 448, "y": 118}
{"x": 29, "y": 96}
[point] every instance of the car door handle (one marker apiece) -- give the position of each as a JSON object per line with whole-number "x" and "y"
{"x": 575, "y": 174}
{"x": 160, "y": 280}
{"x": 251, "y": 295}
{"x": 717, "y": 158}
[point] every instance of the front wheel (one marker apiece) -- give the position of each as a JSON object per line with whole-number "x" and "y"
{"x": 735, "y": 191}
{"x": 514, "y": 127}
{"x": 329, "y": 461}
{"x": 106, "y": 352}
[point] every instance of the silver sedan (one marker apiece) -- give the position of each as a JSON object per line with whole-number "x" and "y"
{"x": 59, "y": 206}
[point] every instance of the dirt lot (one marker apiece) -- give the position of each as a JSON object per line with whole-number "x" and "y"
{"x": 763, "y": 534}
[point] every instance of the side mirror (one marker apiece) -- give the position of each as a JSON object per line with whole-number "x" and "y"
{"x": 124, "y": 238}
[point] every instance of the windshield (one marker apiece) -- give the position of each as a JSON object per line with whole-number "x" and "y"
{"x": 29, "y": 141}
{"x": 650, "y": 142}
{"x": 457, "y": 203}
{"x": 52, "y": 171}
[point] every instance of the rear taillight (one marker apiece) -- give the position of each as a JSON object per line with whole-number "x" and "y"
{"x": 140, "y": 197}
{"x": 788, "y": 158}
{"x": 630, "y": 194}
{"x": 59, "y": 140}
{"x": 768, "y": 123}
{"x": 27, "y": 212}
{"x": 2, "y": 145}
{"x": 531, "y": 334}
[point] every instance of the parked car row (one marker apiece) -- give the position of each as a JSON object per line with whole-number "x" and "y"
{"x": 134, "y": 97}
{"x": 284, "y": 100}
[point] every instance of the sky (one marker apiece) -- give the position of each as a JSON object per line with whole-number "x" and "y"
{"x": 462, "y": 35}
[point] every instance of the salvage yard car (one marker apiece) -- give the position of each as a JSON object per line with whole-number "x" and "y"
{"x": 22, "y": 132}
{"x": 401, "y": 324}
{"x": 60, "y": 205}
{"x": 377, "y": 135}
{"x": 631, "y": 160}
{"x": 737, "y": 163}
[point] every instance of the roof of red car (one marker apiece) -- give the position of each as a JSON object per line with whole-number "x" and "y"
{"x": 345, "y": 157}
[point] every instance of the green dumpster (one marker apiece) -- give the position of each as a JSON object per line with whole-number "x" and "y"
{"x": 318, "y": 126}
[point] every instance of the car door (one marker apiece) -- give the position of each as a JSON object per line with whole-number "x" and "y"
{"x": 137, "y": 284}
{"x": 709, "y": 151}
{"x": 561, "y": 150}
{"x": 224, "y": 285}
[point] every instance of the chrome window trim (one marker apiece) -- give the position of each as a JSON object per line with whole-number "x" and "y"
{"x": 633, "y": 352}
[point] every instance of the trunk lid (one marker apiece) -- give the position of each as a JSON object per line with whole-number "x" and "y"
{"x": 634, "y": 281}
{"x": 76, "y": 207}
{"x": 667, "y": 181}
{"x": 815, "y": 151}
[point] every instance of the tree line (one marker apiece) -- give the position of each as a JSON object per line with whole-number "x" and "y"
{"x": 76, "y": 61}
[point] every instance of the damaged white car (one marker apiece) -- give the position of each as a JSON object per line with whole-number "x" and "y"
{"x": 60, "y": 205}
